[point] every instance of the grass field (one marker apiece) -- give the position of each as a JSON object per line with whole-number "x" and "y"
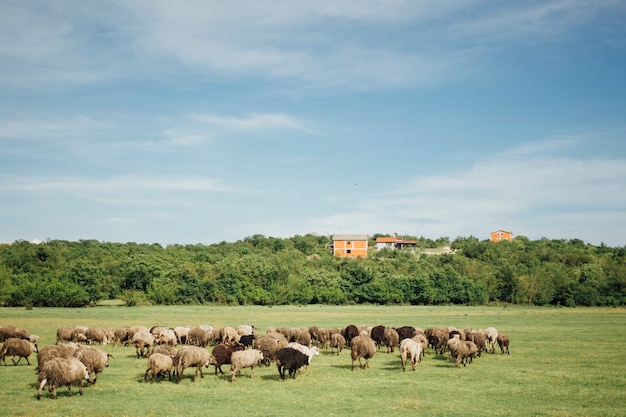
{"x": 563, "y": 362}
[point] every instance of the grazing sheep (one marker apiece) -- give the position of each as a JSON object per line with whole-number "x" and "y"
{"x": 55, "y": 351}
{"x": 458, "y": 351}
{"x": 121, "y": 336}
{"x": 323, "y": 338}
{"x": 472, "y": 350}
{"x": 199, "y": 336}
{"x": 301, "y": 335}
{"x": 164, "y": 350}
{"x": 64, "y": 334}
{"x": 492, "y": 338}
{"x": 246, "y": 330}
{"x": 391, "y": 338}
{"x": 405, "y": 332}
{"x": 96, "y": 335}
{"x": 221, "y": 355}
{"x": 156, "y": 330}
{"x": 143, "y": 341}
{"x": 182, "y": 333}
{"x": 309, "y": 351}
{"x": 270, "y": 344}
{"x": 59, "y": 372}
{"x": 349, "y": 332}
{"x": 79, "y": 334}
{"x": 412, "y": 350}
{"x": 314, "y": 332}
{"x": 247, "y": 340}
{"x": 244, "y": 359}
{"x": 167, "y": 337}
{"x": 378, "y": 335}
{"x": 480, "y": 339}
{"x": 95, "y": 361}
{"x": 337, "y": 341}
{"x": 362, "y": 346}
{"x": 17, "y": 347}
{"x": 189, "y": 356}
{"x": 158, "y": 365}
{"x": 290, "y": 360}
{"x": 9, "y": 332}
{"x": 228, "y": 335}
{"x": 503, "y": 342}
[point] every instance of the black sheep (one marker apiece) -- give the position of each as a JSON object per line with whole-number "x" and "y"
{"x": 291, "y": 360}
{"x": 378, "y": 334}
{"x": 349, "y": 332}
{"x": 405, "y": 332}
{"x": 247, "y": 340}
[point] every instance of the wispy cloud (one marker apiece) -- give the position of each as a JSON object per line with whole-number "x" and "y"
{"x": 259, "y": 122}
{"x": 125, "y": 183}
{"x": 312, "y": 45}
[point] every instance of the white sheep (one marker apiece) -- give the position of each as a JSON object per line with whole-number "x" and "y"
{"x": 159, "y": 364}
{"x": 492, "y": 338}
{"x": 412, "y": 350}
{"x": 244, "y": 359}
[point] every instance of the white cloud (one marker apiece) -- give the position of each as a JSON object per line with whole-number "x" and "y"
{"x": 134, "y": 183}
{"x": 254, "y": 122}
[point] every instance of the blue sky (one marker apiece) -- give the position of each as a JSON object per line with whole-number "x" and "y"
{"x": 207, "y": 121}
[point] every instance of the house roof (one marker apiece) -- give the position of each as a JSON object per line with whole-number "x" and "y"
{"x": 399, "y": 240}
{"x": 504, "y": 231}
{"x": 353, "y": 236}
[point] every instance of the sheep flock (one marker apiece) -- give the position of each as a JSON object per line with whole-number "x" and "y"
{"x": 75, "y": 360}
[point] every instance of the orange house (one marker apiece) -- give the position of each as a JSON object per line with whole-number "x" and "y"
{"x": 499, "y": 235}
{"x": 350, "y": 245}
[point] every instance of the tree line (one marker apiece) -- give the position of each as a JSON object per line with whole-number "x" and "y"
{"x": 261, "y": 270}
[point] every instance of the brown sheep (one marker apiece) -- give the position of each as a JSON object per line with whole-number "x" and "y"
{"x": 96, "y": 335}
{"x": 199, "y": 336}
{"x": 60, "y": 372}
{"x": 503, "y": 342}
{"x": 221, "y": 355}
{"x": 55, "y": 351}
{"x": 64, "y": 334}
{"x": 391, "y": 338}
{"x": 337, "y": 341}
{"x": 95, "y": 360}
{"x": 362, "y": 346}
{"x": 165, "y": 350}
{"x": 17, "y": 347}
{"x": 270, "y": 344}
{"x": 8, "y": 332}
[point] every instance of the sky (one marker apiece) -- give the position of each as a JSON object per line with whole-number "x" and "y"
{"x": 187, "y": 122}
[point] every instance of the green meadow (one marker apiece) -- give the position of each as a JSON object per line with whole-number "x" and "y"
{"x": 563, "y": 362}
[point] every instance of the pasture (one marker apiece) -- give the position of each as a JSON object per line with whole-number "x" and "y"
{"x": 563, "y": 362}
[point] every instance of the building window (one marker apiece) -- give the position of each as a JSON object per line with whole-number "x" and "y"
{"x": 349, "y": 251}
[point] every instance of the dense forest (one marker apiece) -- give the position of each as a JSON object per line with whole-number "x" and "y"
{"x": 301, "y": 270}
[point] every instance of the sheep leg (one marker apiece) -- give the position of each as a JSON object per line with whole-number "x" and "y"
{"x": 42, "y": 384}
